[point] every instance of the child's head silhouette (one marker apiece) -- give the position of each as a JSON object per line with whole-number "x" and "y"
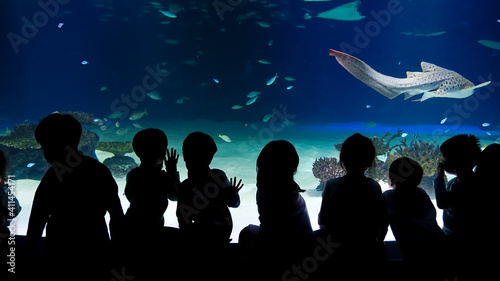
{"x": 58, "y": 134}
{"x": 405, "y": 173}
{"x": 357, "y": 154}
{"x": 460, "y": 153}
{"x": 198, "y": 149}
{"x": 276, "y": 165}
{"x": 150, "y": 145}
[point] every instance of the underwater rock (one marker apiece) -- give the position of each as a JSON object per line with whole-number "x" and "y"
{"x": 118, "y": 148}
{"x": 18, "y": 160}
{"x": 82, "y": 117}
{"x": 120, "y": 165}
{"x": 21, "y": 148}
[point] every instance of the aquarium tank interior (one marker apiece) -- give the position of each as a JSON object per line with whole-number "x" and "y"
{"x": 407, "y": 74}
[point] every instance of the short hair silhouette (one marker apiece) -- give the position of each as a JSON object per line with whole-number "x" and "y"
{"x": 463, "y": 149}
{"x": 3, "y": 166}
{"x": 276, "y": 165}
{"x": 489, "y": 161}
{"x": 58, "y": 130}
{"x": 150, "y": 144}
{"x": 279, "y": 158}
{"x": 199, "y": 146}
{"x": 357, "y": 152}
{"x": 405, "y": 172}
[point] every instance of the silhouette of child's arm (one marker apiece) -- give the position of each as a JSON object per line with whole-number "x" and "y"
{"x": 442, "y": 196}
{"x": 231, "y": 190}
{"x": 171, "y": 167}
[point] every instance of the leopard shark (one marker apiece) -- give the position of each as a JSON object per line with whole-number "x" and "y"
{"x": 433, "y": 81}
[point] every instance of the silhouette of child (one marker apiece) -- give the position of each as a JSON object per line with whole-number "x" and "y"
{"x": 204, "y": 218}
{"x": 71, "y": 200}
{"x": 148, "y": 187}
{"x": 487, "y": 217}
{"x": 460, "y": 155}
{"x": 412, "y": 218}
{"x": 284, "y": 236}
{"x": 460, "y": 198}
{"x": 148, "y": 190}
{"x": 353, "y": 212}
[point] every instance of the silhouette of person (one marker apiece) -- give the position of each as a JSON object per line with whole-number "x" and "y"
{"x": 487, "y": 217}
{"x": 71, "y": 201}
{"x": 204, "y": 218}
{"x": 148, "y": 190}
{"x": 9, "y": 209}
{"x": 460, "y": 199}
{"x": 412, "y": 218}
{"x": 284, "y": 236}
{"x": 353, "y": 212}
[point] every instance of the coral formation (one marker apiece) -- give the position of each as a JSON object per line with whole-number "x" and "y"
{"x": 427, "y": 154}
{"x": 116, "y": 147}
{"x": 82, "y": 117}
{"x": 327, "y": 168}
{"x": 382, "y": 146}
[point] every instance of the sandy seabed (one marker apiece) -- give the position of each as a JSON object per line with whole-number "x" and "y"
{"x": 237, "y": 158}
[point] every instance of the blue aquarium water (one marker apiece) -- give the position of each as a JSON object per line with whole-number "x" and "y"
{"x": 248, "y": 72}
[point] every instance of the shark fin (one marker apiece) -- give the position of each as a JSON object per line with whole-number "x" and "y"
{"x": 407, "y": 96}
{"x": 429, "y": 67}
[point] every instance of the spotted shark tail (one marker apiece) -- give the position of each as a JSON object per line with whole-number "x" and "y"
{"x": 359, "y": 69}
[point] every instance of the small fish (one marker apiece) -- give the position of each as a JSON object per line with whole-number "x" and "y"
{"x": 416, "y": 136}
{"x": 137, "y": 125}
{"x": 270, "y": 43}
{"x": 216, "y": 80}
{"x": 271, "y": 80}
{"x": 252, "y": 100}
{"x": 444, "y": 120}
{"x": 103, "y": 127}
{"x": 404, "y": 135}
{"x": 268, "y": 117}
{"x": 181, "y": 100}
{"x": 225, "y": 138}
{"x": 486, "y": 124}
{"x": 116, "y": 114}
{"x": 370, "y": 124}
{"x": 399, "y": 62}
{"x": 98, "y": 121}
{"x": 488, "y": 133}
{"x": 368, "y": 106}
{"x": 103, "y": 88}
{"x": 60, "y": 25}
{"x": 289, "y": 87}
{"x": 253, "y": 94}
{"x": 237, "y": 107}
{"x": 121, "y": 131}
{"x": 84, "y": 62}
{"x": 288, "y": 78}
{"x": 263, "y": 24}
{"x": 154, "y": 95}
{"x": 30, "y": 165}
{"x": 168, "y": 14}
{"x": 138, "y": 115}
{"x": 117, "y": 124}
{"x": 498, "y": 21}
{"x": 264, "y": 62}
